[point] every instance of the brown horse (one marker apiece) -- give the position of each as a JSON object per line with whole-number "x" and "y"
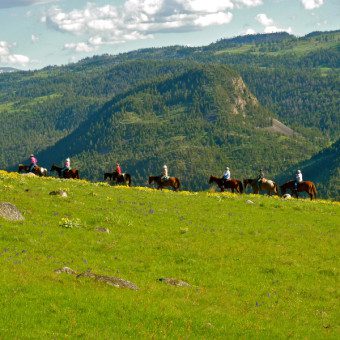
{"x": 123, "y": 178}
{"x": 37, "y": 170}
{"x": 172, "y": 182}
{"x": 73, "y": 173}
{"x": 233, "y": 184}
{"x": 307, "y": 186}
{"x": 266, "y": 184}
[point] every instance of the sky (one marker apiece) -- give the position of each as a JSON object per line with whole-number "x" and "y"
{"x": 37, "y": 33}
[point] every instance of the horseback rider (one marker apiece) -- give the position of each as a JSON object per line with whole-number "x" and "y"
{"x": 67, "y": 166}
{"x": 298, "y": 179}
{"x": 226, "y": 174}
{"x": 260, "y": 178}
{"x": 165, "y": 174}
{"x": 118, "y": 171}
{"x": 33, "y": 163}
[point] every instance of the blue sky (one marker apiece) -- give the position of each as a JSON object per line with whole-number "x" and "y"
{"x": 37, "y": 33}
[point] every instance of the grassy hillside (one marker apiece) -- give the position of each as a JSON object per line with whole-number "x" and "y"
{"x": 251, "y": 267}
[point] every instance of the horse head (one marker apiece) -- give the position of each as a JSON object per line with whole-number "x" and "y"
{"x": 151, "y": 179}
{"x": 211, "y": 179}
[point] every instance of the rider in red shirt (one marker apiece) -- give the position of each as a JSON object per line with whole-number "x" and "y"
{"x": 118, "y": 169}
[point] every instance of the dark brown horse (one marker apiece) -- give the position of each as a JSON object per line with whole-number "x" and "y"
{"x": 265, "y": 184}
{"x": 108, "y": 175}
{"x": 73, "y": 173}
{"x": 37, "y": 170}
{"x": 123, "y": 178}
{"x": 306, "y": 186}
{"x": 233, "y": 184}
{"x": 172, "y": 182}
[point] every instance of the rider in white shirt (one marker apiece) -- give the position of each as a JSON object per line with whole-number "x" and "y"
{"x": 226, "y": 175}
{"x": 165, "y": 174}
{"x": 298, "y": 179}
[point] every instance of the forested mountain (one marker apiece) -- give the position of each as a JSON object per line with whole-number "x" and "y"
{"x": 40, "y": 107}
{"x": 53, "y": 111}
{"x": 198, "y": 122}
{"x": 323, "y": 169}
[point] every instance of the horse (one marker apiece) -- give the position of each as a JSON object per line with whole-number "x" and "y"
{"x": 108, "y": 175}
{"x": 37, "y": 170}
{"x": 233, "y": 184}
{"x": 123, "y": 178}
{"x": 307, "y": 186}
{"x": 170, "y": 182}
{"x": 73, "y": 173}
{"x": 266, "y": 184}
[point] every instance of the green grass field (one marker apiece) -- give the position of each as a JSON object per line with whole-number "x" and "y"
{"x": 262, "y": 270}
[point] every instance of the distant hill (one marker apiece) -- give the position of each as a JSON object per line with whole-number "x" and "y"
{"x": 8, "y": 69}
{"x": 323, "y": 169}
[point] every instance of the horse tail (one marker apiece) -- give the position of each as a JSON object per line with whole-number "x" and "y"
{"x": 77, "y": 175}
{"x": 314, "y": 190}
{"x": 240, "y": 186}
{"x": 178, "y": 183}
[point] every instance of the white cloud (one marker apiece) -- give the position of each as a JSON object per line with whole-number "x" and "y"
{"x": 219, "y": 18}
{"x": 17, "y": 3}
{"x": 7, "y": 57}
{"x": 264, "y": 20}
{"x": 34, "y": 38}
{"x": 312, "y": 4}
{"x": 269, "y": 25}
{"x": 250, "y": 3}
{"x": 80, "y": 47}
{"x": 249, "y": 31}
{"x": 206, "y": 6}
{"x": 138, "y": 19}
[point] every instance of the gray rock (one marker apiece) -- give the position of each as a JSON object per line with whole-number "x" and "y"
{"x": 174, "y": 282}
{"x": 61, "y": 193}
{"x": 66, "y": 270}
{"x": 10, "y": 212}
{"x": 250, "y": 202}
{"x": 110, "y": 280}
{"x": 103, "y": 230}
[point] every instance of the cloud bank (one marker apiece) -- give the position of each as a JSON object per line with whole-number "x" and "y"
{"x": 7, "y": 57}
{"x": 140, "y": 19}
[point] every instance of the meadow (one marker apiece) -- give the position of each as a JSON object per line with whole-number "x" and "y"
{"x": 262, "y": 270}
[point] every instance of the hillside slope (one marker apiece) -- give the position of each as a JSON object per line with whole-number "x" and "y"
{"x": 38, "y": 108}
{"x": 251, "y": 267}
{"x": 198, "y": 122}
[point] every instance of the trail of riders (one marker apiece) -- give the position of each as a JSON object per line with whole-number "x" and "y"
{"x": 258, "y": 184}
